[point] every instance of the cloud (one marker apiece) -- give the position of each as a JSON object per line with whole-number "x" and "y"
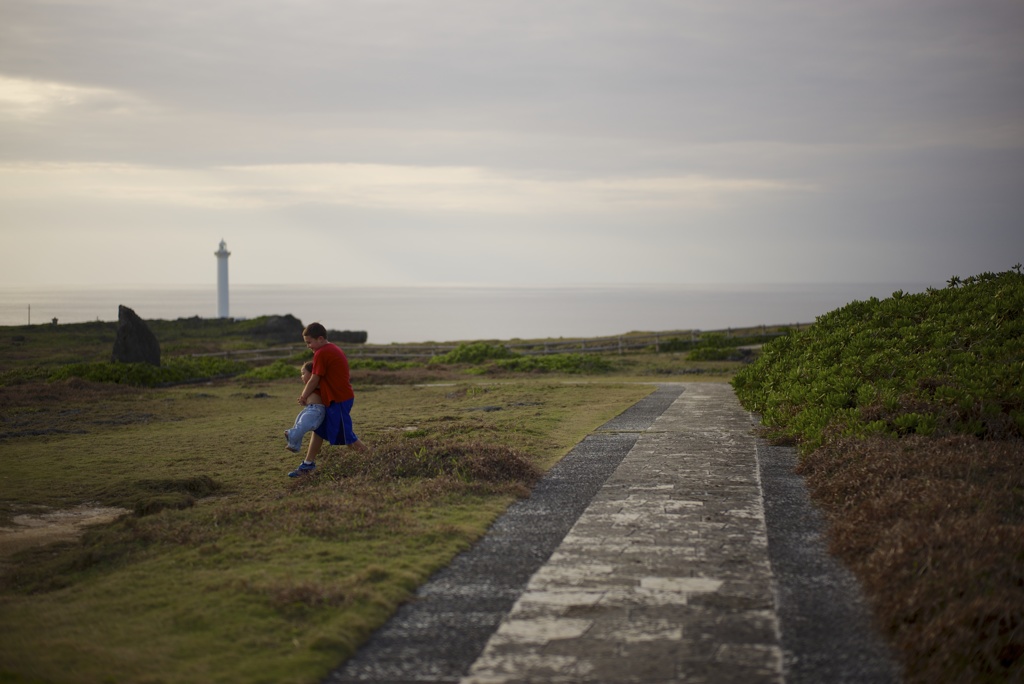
{"x": 489, "y": 191}
{"x": 405, "y": 188}
{"x": 29, "y": 99}
{"x": 23, "y": 98}
{"x": 588, "y": 140}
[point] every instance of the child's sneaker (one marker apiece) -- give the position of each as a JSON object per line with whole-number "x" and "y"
{"x": 302, "y": 469}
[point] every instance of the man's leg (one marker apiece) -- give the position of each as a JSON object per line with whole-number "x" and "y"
{"x": 308, "y": 465}
{"x": 315, "y": 442}
{"x": 351, "y": 439}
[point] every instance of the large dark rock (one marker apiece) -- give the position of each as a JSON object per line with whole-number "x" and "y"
{"x": 347, "y": 336}
{"x": 135, "y": 342}
{"x": 279, "y": 329}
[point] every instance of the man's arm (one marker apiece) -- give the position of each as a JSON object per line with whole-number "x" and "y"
{"x": 311, "y": 385}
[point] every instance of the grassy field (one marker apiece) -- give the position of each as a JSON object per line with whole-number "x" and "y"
{"x": 229, "y": 570}
{"x": 223, "y": 569}
{"x": 908, "y": 413}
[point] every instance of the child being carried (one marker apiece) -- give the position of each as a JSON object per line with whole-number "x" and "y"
{"x": 309, "y": 418}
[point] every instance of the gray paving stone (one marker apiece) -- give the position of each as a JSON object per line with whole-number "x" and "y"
{"x": 438, "y": 635}
{"x": 669, "y": 546}
{"x": 665, "y": 576}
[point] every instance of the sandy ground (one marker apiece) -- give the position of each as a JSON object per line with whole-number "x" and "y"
{"x": 38, "y": 529}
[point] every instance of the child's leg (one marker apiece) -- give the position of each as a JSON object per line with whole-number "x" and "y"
{"x": 315, "y": 442}
{"x": 292, "y": 437}
{"x": 308, "y": 419}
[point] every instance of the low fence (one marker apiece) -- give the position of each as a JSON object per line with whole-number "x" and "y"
{"x": 619, "y": 343}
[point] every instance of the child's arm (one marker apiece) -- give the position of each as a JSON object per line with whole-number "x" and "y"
{"x": 311, "y": 386}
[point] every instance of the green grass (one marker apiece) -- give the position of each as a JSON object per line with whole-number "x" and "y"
{"x": 225, "y": 569}
{"x": 45, "y": 346}
{"x": 228, "y": 571}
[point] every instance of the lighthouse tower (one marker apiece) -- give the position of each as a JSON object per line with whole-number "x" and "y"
{"x": 222, "y": 279}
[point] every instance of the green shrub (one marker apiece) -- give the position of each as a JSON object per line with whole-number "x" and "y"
{"x": 289, "y": 368}
{"x": 712, "y": 354}
{"x": 20, "y": 376}
{"x": 716, "y": 340}
{"x": 946, "y": 361}
{"x": 174, "y": 370}
{"x": 674, "y": 344}
{"x": 556, "y": 363}
{"x": 374, "y": 364}
{"x": 278, "y": 370}
{"x": 718, "y": 346}
{"x": 475, "y": 352}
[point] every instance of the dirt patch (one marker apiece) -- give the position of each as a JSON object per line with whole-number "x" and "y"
{"x": 39, "y": 529}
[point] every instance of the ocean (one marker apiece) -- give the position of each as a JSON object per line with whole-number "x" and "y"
{"x": 444, "y": 314}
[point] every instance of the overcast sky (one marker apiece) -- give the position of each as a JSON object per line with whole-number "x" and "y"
{"x": 555, "y": 142}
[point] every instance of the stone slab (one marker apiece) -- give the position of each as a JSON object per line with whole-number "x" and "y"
{"x": 665, "y": 576}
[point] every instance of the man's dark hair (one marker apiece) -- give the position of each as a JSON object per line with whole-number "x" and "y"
{"x": 314, "y": 330}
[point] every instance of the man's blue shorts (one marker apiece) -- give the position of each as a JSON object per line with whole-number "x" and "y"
{"x": 337, "y": 425}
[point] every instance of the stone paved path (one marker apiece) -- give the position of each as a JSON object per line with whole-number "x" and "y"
{"x": 644, "y": 557}
{"x": 665, "y": 577}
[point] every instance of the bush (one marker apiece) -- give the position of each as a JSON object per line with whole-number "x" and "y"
{"x": 712, "y": 354}
{"x": 474, "y": 464}
{"x": 20, "y": 376}
{"x": 556, "y": 363}
{"x": 278, "y": 370}
{"x": 938, "y": 363}
{"x": 374, "y": 364}
{"x": 713, "y": 340}
{"x": 177, "y": 369}
{"x": 910, "y": 413}
{"x": 476, "y": 352}
{"x": 932, "y": 529}
{"x": 674, "y": 344}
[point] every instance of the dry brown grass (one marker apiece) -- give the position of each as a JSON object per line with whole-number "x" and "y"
{"x": 462, "y": 463}
{"x": 69, "y": 407}
{"x": 934, "y": 529}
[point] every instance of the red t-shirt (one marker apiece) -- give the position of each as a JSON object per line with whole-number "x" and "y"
{"x": 331, "y": 365}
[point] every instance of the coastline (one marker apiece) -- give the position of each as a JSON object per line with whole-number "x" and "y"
{"x": 404, "y": 314}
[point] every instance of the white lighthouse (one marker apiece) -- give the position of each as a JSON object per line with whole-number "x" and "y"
{"x": 222, "y": 279}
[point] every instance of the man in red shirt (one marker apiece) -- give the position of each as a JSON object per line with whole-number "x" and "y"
{"x": 331, "y": 379}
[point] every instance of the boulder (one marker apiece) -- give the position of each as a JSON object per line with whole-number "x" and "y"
{"x": 285, "y": 329}
{"x": 347, "y": 336}
{"x": 135, "y": 342}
